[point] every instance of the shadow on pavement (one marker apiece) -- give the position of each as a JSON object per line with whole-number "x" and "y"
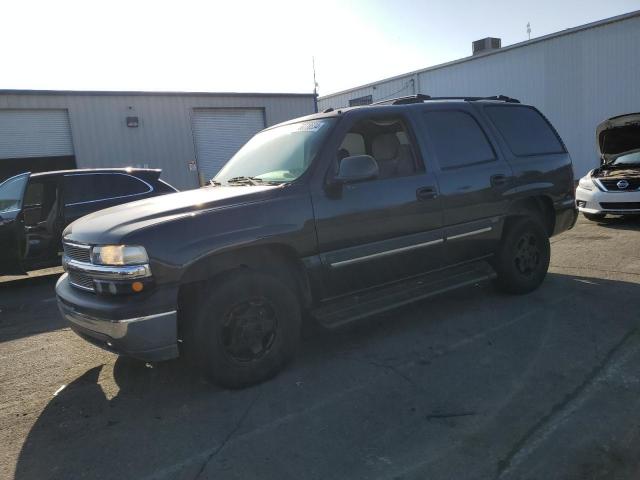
{"x": 28, "y": 307}
{"x": 630, "y": 222}
{"x": 167, "y": 422}
{"x": 131, "y": 420}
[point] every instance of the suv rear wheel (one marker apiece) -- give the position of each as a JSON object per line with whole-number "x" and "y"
{"x": 247, "y": 327}
{"x": 523, "y": 258}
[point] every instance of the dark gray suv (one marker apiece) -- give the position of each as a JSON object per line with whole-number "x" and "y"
{"x": 337, "y": 215}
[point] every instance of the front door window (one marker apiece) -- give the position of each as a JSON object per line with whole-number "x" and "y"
{"x": 11, "y": 192}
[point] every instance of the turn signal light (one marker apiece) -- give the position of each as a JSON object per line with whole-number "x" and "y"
{"x": 137, "y": 286}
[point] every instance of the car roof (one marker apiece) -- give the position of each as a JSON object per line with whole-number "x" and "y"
{"x": 127, "y": 170}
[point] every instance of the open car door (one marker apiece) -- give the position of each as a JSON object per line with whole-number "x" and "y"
{"x": 12, "y": 224}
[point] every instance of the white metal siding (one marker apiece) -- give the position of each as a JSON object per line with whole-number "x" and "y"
{"x": 576, "y": 79}
{"x": 219, "y": 133}
{"x": 164, "y": 138}
{"x": 34, "y": 133}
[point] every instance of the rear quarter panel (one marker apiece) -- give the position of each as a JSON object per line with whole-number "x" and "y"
{"x": 548, "y": 175}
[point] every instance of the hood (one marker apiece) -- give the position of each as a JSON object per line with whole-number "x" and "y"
{"x": 112, "y": 224}
{"x": 618, "y": 135}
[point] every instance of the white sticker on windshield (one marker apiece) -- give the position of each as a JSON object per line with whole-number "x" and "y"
{"x": 312, "y": 126}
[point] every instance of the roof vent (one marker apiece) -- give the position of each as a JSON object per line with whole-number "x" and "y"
{"x": 486, "y": 45}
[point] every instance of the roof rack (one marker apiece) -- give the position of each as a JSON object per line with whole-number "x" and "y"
{"x": 419, "y": 98}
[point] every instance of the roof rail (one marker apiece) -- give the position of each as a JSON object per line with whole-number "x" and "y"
{"x": 419, "y": 98}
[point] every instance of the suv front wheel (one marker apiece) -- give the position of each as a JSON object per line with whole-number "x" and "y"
{"x": 522, "y": 260}
{"x": 247, "y": 327}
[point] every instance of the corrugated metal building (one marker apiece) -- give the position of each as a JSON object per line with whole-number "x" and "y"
{"x": 577, "y": 78}
{"x": 187, "y": 135}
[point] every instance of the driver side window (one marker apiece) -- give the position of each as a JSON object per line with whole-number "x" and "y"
{"x": 11, "y": 192}
{"x": 387, "y": 141}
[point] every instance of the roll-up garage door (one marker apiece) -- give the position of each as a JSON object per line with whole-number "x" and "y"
{"x": 220, "y": 132}
{"x": 34, "y": 140}
{"x": 35, "y": 133}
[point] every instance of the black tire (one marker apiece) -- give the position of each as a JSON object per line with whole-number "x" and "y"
{"x": 247, "y": 327}
{"x": 522, "y": 260}
{"x": 594, "y": 217}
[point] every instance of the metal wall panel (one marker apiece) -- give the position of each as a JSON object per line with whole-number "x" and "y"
{"x": 219, "y": 133}
{"x": 34, "y": 133}
{"x": 164, "y": 137}
{"x": 577, "y": 79}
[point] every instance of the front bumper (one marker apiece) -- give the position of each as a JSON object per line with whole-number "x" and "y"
{"x": 144, "y": 329}
{"x": 590, "y": 201}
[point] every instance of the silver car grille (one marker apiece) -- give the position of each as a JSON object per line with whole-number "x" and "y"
{"x": 81, "y": 281}
{"x": 80, "y": 253}
{"x": 77, "y": 251}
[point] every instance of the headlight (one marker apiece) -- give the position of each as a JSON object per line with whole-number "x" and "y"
{"x": 586, "y": 183}
{"x": 119, "y": 255}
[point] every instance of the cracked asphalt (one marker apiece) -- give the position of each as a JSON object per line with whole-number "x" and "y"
{"x": 470, "y": 385}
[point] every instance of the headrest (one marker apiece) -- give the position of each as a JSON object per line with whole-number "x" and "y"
{"x": 385, "y": 147}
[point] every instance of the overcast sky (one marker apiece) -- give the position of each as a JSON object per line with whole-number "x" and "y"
{"x": 259, "y": 46}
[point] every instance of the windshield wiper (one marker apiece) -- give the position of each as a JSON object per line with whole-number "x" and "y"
{"x": 214, "y": 183}
{"x": 244, "y": 181}
{"x": 623, "y": 165}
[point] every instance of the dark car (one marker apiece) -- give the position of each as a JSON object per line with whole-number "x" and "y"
{"x": 35, "y": 208}
{"x": 337, "y": 215}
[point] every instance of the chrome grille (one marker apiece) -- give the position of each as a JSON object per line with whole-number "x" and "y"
{"x": 78, "y": 252}
{"x": 81, "y": 280}
{"x": 612, "y": 185}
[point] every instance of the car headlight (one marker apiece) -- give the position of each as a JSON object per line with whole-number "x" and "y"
{"x": 586, "y": 183}
{"x": 119, "y": 255}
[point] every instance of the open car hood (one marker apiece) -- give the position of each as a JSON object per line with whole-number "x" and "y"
{"x": 618, "y": 135}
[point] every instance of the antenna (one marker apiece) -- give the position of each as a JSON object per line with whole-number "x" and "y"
{"x": 529, "y": 30}
{"x": 315, "y": 84}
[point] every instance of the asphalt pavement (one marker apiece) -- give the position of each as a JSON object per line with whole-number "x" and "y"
{"x": 470, "y": 385}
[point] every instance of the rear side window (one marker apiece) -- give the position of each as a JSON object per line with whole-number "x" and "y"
{"x": 457, "y": 139}
{"x": 525, "y": 130}
{"x": 101, "y": 186}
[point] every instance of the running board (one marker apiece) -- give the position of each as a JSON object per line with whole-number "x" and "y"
{"x": 344, "y": 310}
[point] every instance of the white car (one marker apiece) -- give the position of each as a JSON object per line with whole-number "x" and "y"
{"x": 614, "y": 187}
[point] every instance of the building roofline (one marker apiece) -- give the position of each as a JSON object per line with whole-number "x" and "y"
{"x": 143, "y": 93}
{"x": 567, "y": 31}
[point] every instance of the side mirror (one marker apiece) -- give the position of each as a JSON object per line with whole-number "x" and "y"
{"x": 357, "y": 168}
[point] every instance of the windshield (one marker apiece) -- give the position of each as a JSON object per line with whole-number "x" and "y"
{"x": 11, "y": 193}
{"x": 632, "y": 158}
{"x": 277, "y": 155}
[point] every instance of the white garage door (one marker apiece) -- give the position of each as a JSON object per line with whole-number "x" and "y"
{"x": 220, "y": 132}
{"x": 35, "y": 133}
